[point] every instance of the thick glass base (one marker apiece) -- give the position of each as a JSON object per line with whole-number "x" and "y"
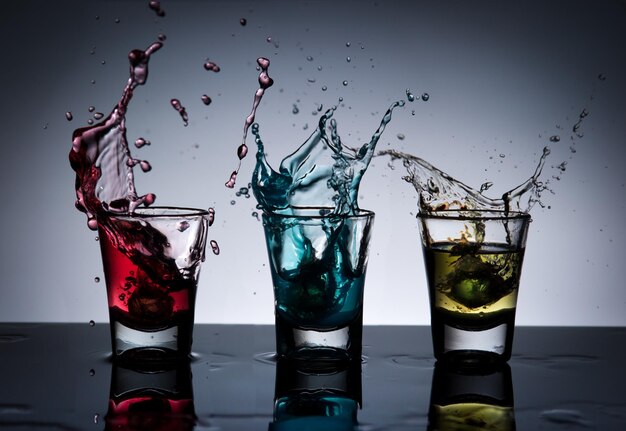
{"x": 133, "y": 345}
{"x": 472, "y": 347}
{"x": 319, "y": 347}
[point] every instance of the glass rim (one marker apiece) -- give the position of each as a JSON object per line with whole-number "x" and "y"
{"x": 478, "y": 214}
{"x": 313, "y": 212}
{"x": 164, "y": 212}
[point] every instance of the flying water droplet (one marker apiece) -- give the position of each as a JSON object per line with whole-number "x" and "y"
{"x": 156, "y": 7}
{"x": 602, "y": 77}
{"x": 140, "y": 142}
{"x": 345, "y": 83}
{"x": 98, "y": 115}
{"x": 69, "y": 116}
{"x": 181, "y": 110}
{"x": 425, "y": 97}
{"x": 485, "y": 186}
{"x": 295, "y": 109}
{"x": 555, "y": 138}
{"x": 206, "y": 100}
{"x": 96, "y": 279}
{"x": 348, "y": 59}
{"x": 215, "y": 247}
{"x": 91, "y": 108}
{"x": 231, "y": 181}
{"x": 309, "y": 58}
{"x": 92, "y": 372}
{"x": 265, "y": 82}
{"x": 324, "y": 88}
{"x": 410, "y": 96}
{"x": 210, "y": 66}
{"x": 211, "y": 216}
{"x": 243, "y": 22}
{"x": 400, "y": 136}
{"x": 161, "y": 37}
{"x": 92, "y": 323}
{"x": 242, "y": 151}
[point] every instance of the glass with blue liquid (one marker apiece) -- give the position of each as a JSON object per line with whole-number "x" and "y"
{"x": 318, "y": 262}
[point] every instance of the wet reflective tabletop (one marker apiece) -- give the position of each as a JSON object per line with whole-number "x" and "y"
{"x": 60, "y": 377}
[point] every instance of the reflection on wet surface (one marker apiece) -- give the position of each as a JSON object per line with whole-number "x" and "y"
{"x": 60, "y": 377}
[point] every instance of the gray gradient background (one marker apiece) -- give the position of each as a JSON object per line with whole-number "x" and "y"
{"x": 501, "y": 78}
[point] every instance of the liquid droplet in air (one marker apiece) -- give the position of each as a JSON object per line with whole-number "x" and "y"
{"x": 181, "y": 110}
{"x": 243, "y": 22}
{"x": 211, "y": 216}
{"x": 215, "y": 247}
{"x": 96, "y": 279}
{"x": 345, "y": 83}
{"x": 410, "y": 96}
{"x": 265, "y": 82}
{"x": 555, "y": 138}
{"x": 425, "y": 97}
{"x": 98, "y": 115}
{"x": 295, "y": 109}
{"x": 69, "y": 116}
{"x": 140, "y": 142}
{"x": 212, "y": 67}
{"x": 206, "y": 100}
{"x": 92, "y": 372}
{"x": 156, "y": 7}
{"x": 92, "y": 323}
{"x": 485, "y": 186}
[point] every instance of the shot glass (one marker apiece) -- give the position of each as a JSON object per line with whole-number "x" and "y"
{"x": 473, "y": 265}
{"x": 318, "y": 262}
{"x": 151, "y": 261}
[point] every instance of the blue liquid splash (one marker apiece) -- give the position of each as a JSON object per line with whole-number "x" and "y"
{"x": 322, "y": 172}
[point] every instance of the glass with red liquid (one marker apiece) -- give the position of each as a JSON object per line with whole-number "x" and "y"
{"x": 151, "y": 261}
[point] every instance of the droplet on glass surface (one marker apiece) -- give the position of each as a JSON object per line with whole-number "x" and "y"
{"x": 183, "y": 225}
